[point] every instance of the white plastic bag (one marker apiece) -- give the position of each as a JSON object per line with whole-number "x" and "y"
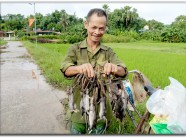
{"x": 157, "y": 104}
{"x": 170, "y": 101}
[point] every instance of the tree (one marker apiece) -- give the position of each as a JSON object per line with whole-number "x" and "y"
{"x": 181, "y": 18}
{"x": 180, "y": 22}
{"x": 124, "y": 19}
{"x": 177, "y": 30}
{"x": 173, "y": 34}
{"x": 44, "y": 22}
{"x": 115, "y": 20}
{"x": 139, "y": 24}
{"x": 129, "y": 16}
{"x": 1, "y": 20}
{"x": 51, "y": 26}
{"x": 106, "y": 9}
{"x": 39, "y": 18}
{"x": 153, "y": 24}
{"x": 56, "y": 16}
{"x": 14, "y": 22}
{"x": 126, "y": 15}
{"x": 64, "y": 20}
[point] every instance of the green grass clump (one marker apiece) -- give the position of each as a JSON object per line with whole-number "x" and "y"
{"x": 2, "y": 42}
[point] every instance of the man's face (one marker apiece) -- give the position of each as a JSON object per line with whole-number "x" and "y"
{"x": 95, "y": 27}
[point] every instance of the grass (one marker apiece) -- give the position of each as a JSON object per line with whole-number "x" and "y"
{"x": 156, "y": 60}
{"x": 2, "y": 46}
{"x": 2, "y": 42}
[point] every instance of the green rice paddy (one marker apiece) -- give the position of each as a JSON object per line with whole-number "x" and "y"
{"x": 157, "y": 61}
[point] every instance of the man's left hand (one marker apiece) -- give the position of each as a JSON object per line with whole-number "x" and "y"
{"x": 110, "y": 68}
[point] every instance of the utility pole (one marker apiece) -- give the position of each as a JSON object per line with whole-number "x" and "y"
{"x": 35, "y": 23}
{"x": 35, "y": 29}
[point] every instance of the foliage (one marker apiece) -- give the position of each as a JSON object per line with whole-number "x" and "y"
{"x": 125, "y": 23}
{"x": 173, "y": 34}
{"x": 117, "y": 39}
{"x": 20, "y": 33}
{"x": 106, "y": 9}
{"x": 153, "y": 24}
{"x": 180, "y": 22}
{"x": 180, "y": 26}
{"x": 151, "y": 35}
{"x": 120, "y": 36}
{"x": 3, "y": 42}
{"x": 123, "y": 19}
{"x": 74, "y": 38}
{"x": 13, "y": 22}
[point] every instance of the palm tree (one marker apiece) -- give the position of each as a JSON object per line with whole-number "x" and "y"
{"x": 128, "y": 15}
{"x": 64, "y": 20}
{"x": 106, "y": 8}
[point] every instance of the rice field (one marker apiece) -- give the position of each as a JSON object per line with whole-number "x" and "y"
{"x": 157, "y": 61}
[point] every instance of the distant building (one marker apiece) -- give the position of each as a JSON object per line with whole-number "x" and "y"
{"x": 10, "y": 34}
{"x": 44, "y": 32}
{"x": 2, "y": 34}
{"x": 146, "y": 27}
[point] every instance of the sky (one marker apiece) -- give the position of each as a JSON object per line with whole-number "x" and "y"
{"x": 164, "y": 12}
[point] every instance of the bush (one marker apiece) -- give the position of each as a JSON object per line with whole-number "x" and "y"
{"x": 24, "y": 38}
{"x": 151, "y": 35}
{"x": 49, "y": 36}
{"x": 20, "y": 33}
{"x": 71, "y": 37}
{"x": 107, "y": 38}
{"x": 173, "y": 35}
{"x": 74, "y": 38}
{"x": 131, "y": 34}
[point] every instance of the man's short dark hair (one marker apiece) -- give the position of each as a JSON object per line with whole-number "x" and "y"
{"x": 97, "y": 11}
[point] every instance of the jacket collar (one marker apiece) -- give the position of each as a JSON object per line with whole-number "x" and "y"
{"x": 84, "y": 44}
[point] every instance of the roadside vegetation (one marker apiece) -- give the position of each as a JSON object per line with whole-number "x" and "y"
{"x": 2, "y": 42}
{"x": 2, "y": 45}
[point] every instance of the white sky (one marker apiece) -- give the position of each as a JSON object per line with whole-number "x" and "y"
{"x": 165, "y": 12}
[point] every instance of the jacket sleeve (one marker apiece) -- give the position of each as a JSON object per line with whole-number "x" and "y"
{"x": 113, "y": 58}
{"x": 69, "y": 60}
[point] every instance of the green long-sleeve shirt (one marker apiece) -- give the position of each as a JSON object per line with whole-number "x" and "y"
{"x": 81, "y": 53}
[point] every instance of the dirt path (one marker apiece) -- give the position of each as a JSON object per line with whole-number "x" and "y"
{"x": 28, "y": 104}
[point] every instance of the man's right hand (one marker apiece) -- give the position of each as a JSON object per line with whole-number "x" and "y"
{"x": 86, "y": 69}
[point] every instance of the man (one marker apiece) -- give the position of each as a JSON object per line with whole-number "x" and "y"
{"x": 85, "y": 56}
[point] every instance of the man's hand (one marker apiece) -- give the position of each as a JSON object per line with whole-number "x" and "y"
{"x": 86, "y": 69}
{"x": 110, "y": 68}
